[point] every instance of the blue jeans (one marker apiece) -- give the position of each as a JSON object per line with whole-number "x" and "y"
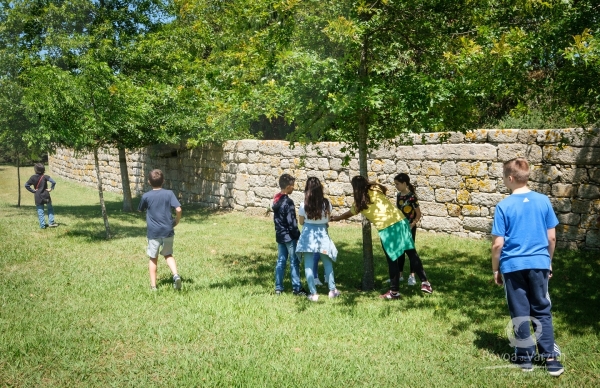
{"x": 283, "y": 250}
{"x": 527, "y": 297}
{"x": 41, "y": 215}
{"x": 309, "y": 259}
{"x": 316, "y": 258}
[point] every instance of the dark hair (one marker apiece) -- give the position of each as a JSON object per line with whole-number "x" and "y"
{"x": 518, "y": 168}
{"x": 360, "y": 188}
{"x": 285, "y": 180}
{"x": 314, "y": 201}
{"x": 39, "y": 168}
{"x": 404, "y": 178}
{"x": 156, "y": 178}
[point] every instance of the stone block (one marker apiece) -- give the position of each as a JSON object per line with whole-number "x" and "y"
{"x": 542, "y": 188}
{"x": 420, "y": 180}
{"x": 495, "y": 170}
{"x": 413, "y": 168}
{"x": 445, "y": 195}
{"x": 476, "y": 169}
{"x": 592, "y": 239}
{"x": 433, "y": 209}
{"x": 572, "y": 155}
{"x": 527, "y": 136}
{"x": 401, "y": 166}
{"x": 455, "y": 182}
{"x": 386, "y": 151}
{"x": 581, "y": 206}
{"x": 570, "y": 233}
{"x": 430, "y": 168}
{"x": 569, "y": 218}
{"x": 453, "y": 209}
{"x": 471, "y": 211}
{"x": 563, "y": 190}
{"x": 478, "y": 224}
{"x": 463, "y": 196}
{"x": 532, "y": 152}
{"x": 486, "y": 199}
{"x": 425, "y": 194}
{"x": 594, "y": 175}
{"x": 561, "y": 205}
{"x": 437, "y": 181}
{"x": 440, "y": 224}
{"x": 588, "y": 191}
{"x": 503, "y": 135}
{"x": 483, "y": 185}
{"x": 440, "y": 137}
{"x": 574, "y": 175}
{"x": 476, "y": 136}
{"x": 544, "y": 173}
{"x": 377, "y": 165}
{"x": 448, "y": 169}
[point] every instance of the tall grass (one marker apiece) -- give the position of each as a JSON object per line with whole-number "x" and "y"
{"x": 76, "y": 309}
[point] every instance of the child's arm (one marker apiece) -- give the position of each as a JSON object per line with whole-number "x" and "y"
{"x": 551, "y": 246}
{"x": 53, "y": 184}
{"x": 344, "y": 216}
{"x": 301, "y": 220}
{"x": 177, "y": 215}
{"x": 497, "y": 244}
{"x": 417, "y": 218}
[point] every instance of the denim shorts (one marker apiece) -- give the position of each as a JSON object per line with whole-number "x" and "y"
{"x": 155, "y": 243}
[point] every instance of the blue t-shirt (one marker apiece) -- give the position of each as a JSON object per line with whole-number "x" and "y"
{"x": 523, "y": 220}
{"x": 158, "y": 204}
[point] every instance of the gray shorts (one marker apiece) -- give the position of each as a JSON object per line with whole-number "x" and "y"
{"x": 155, "y": 243}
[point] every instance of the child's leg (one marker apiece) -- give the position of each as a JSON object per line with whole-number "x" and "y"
{"x": 152, "y": 264}
{"x": 41, "y": 215}
{"x": 308, "y": 271}
{"x": 540, "y": 306}
{"x": 50, "y": 213}
{"x": 171, "y": 263}
{"x": 416, "y": 264}
{"x": 413, "y": 231}
{"x": 315, "y": 267}
{"x": 282, "y": 254}
{"x": 516, "y": 288}
{"x": 394, "y": 272}
{"x": 328, "y": 264}
{"x": 401, "y": 261}
{"x": 167, "y": 252}
{"x": 294, "y": 266}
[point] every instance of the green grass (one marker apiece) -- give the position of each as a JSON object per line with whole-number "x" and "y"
{"x": 76, "y": 310}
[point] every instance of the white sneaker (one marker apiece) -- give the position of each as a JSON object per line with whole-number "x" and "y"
{"x": 313, "y": 297}
{"x": 401, "y": 279}
{"x": 318, "y": 282}
{"x": 411, "y": 281}
{"x": 334, "y": 294}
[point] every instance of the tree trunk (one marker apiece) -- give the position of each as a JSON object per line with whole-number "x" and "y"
{"x": 102, "y": 205}
{"x": 18, "y": 180}
{"x": 368, "y": 280}
{"x": 127, "y": 203}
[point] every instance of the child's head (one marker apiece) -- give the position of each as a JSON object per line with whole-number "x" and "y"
{"x": 360, "y": 188}
{"x": 39, "y": 168}
{"x": 516, "y": 172}
{"x": 314, "y": 200}
{"x": 156, "y": 178}
{"x": 286, "y": 183}
{"x": 402, "y": 182}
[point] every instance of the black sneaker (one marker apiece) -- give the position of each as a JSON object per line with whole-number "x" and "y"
{"x": 525, "y": 365}
{"x": 554, "y": 368}
{"x": 301, "y": 292}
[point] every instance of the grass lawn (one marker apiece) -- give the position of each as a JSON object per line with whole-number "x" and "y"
{"x": 76, "y": 309}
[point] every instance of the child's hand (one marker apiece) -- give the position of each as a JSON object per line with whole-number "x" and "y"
{"x": 498, "y": 278}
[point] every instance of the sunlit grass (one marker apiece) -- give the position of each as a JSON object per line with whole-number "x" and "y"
{"x": 76, "y": 309}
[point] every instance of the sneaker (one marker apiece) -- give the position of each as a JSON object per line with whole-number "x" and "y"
{"x": 411, "y": 281}
{"x": 390, "y": 295}
{"x": 525, "y": 365}
{"x": 554, "y": 368}
{"x": 313, "y": 297}
{"x": 426, "y": 287}
{"x": 177, "y": 282}
{"x": 153, "y": 289}
{"x": 401, "y": 279}
{"x": 300, "y": 292}
{"x": 334, "y": 294}
{"x": 318, "y": 282}
{"x": 53, "y": 225}
{"x": 278, "y": 292}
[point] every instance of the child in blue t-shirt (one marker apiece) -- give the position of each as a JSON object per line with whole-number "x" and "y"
{"x": 523, "y": 241}
{"x": 158, "y": 203}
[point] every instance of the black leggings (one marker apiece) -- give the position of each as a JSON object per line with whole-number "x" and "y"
{"x": 402, "y": 258}
{"x": 394, "y": 268}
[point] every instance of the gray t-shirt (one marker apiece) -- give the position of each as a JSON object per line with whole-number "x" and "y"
{"x": 158, "y": 205}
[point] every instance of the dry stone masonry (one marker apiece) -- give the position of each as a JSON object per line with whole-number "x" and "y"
{"x": 458, "y": 177}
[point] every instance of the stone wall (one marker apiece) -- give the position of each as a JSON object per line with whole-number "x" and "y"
{"x": 458, "y": 176}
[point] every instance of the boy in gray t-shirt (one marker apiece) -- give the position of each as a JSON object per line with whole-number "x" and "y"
{"x": 158, "y": 204}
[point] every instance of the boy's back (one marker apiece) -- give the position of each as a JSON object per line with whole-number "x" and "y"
{"x": 284, "y": 217}
{"x": 158, "y": 205}
{"x": 523, "y": 220}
